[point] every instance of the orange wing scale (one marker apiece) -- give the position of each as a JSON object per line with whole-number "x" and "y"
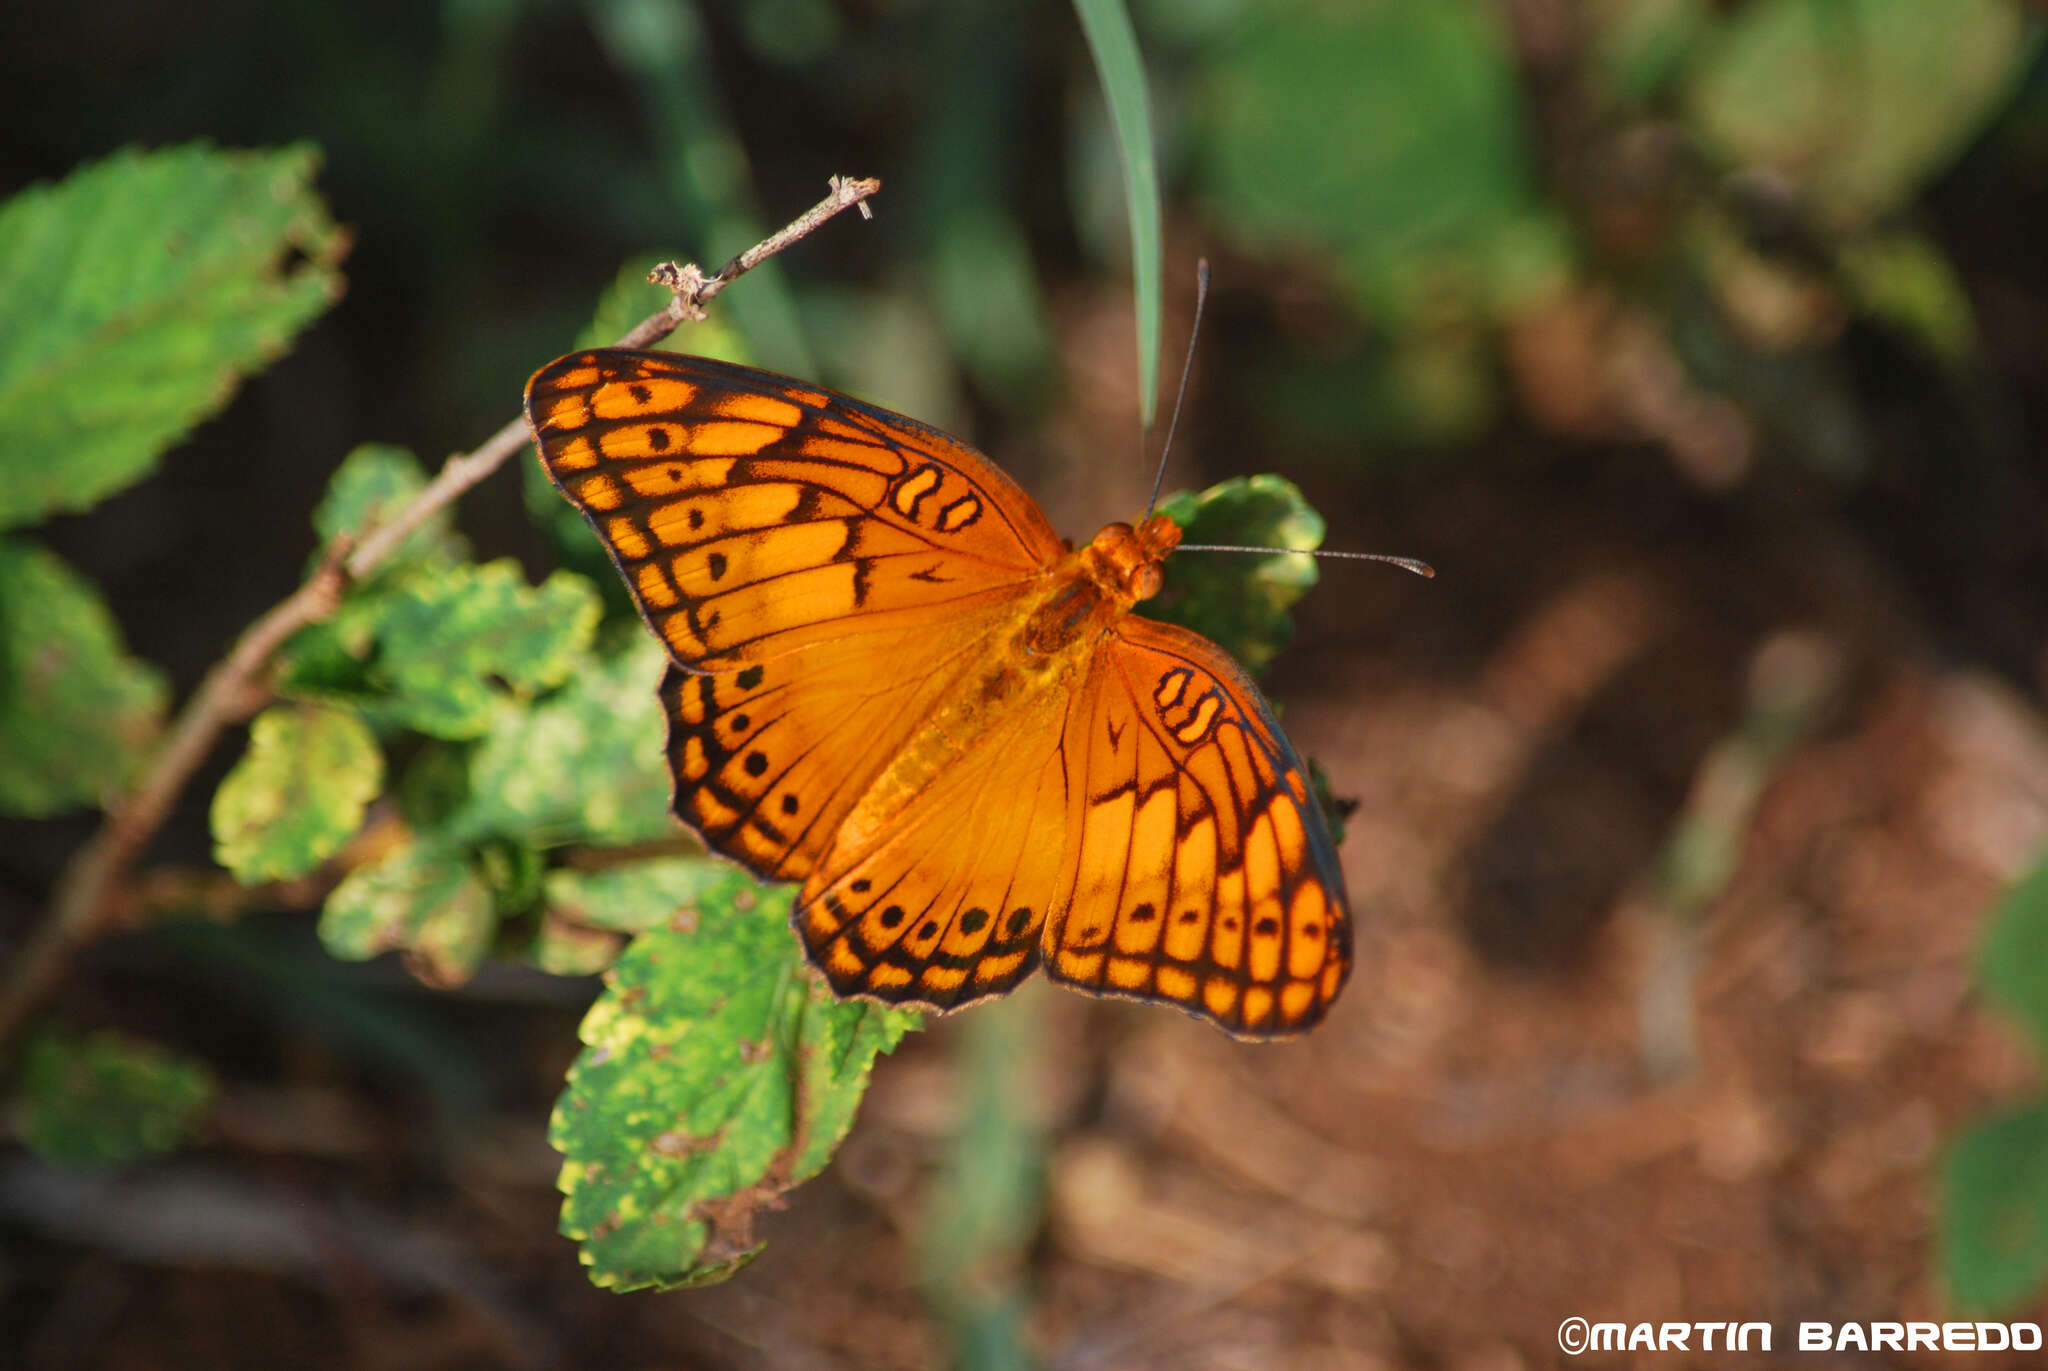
{"x": 886, "y": 684}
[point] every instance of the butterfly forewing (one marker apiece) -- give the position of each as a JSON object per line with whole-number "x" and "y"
{"x": 1203, "y": 874}
{"x": 751, "y": 514}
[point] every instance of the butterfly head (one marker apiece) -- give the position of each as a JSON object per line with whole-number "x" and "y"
{"x": 1129, "y": 562}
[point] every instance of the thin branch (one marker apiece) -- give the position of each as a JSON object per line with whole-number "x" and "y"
{"x": 237, "y": 687}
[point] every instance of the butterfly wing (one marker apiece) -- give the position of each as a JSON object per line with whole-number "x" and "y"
{"x": 1203, "y": 875}
{"x": 752, "y": 517}
{"x": 751, "y": 514}
{"x": 940, "y": 901}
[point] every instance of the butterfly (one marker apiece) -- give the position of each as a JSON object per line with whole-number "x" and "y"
{"x": 891, "y": 681}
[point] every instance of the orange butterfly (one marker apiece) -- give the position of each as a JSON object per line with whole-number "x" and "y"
{"x": 891, "y": 680}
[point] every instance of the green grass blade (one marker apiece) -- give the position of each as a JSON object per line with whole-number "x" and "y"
{"x": 1115, "y": 47}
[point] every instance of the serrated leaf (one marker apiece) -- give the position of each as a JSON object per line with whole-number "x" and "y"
{"x": 297, "y": 794}
{"x": 77, "y": 713}
{"x": 134, "y": 296}
{"x": 450, "y": 639}
{"x": 370, "y": 487}
{"x": 1239, "y": 600}
{"x": 587, "y": 764}
{"x": 717, "y": 1074}
{"x": 106, "y": 1100}
{"x": 423, "y": 899}
{"x": 1994, "y": 1211}
{"x": 2014, "y": 963}
{"x": 1859, "y": 102}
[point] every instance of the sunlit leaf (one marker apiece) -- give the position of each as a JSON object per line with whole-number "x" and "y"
{"x": 1240, "y": 600}
{"x": 77, "y": 713}
{"x": 586, "y": 764}
{"x": 370, "y": 487}
{"x": 717, "y": 1074}
{"x": 297, "y": 794}
{"x": 134, "y": 296}
{"x": 422, "y": 899}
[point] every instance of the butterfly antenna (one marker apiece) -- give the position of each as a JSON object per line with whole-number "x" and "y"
{"x": 1187, "y": 368}
{"x": 1420, "y": 568}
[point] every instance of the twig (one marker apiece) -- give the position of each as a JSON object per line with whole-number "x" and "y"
{"x": 235, "y": 688}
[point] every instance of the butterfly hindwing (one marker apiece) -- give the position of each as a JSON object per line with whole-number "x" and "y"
{"x": 940, "y": 901}
{"x": 1203, "y": 874}
{"x": 768, "y": 760}
{"x": 751, "y": 514}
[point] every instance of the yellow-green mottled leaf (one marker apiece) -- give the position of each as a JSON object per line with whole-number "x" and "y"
{"x": 77, "y": 713}
{"x": 134, "y": 296}
{"x": 586, "y": 764}
{"x": 1240, "y": 600}
{"x": 717, "y": 1073}
{"x": 107, "y": 1100}
{"x": 450, "y": 641}
{"x": 563, "y": 948}
{"x": 371, "y": 486}
{"x": 422, "y": 899}
{"x": 442, "y": 645}
{"x": 643, "y": 895}
{"x": 297, "y": 794}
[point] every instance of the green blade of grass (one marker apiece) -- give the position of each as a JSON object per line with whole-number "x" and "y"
{"x": 1115, "y": 47}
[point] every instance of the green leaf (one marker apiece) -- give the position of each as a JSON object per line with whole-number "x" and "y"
{"x": 717, "y": 1075}
{"x": 1388, "y": 135}
{"x": 134, "y": 296}
{"x": 1904, "y": 279}
{"x": 438, "y": 646}
{"x": 641, "y": 896}
{"x": 563, "y": 948}
{"x": 587, "y": 764}
{"x": 1861, "y": 102}
{"x": 77, "y": 713}
{"x": 297, "y": 794}
{"x": 2014, "y": 965}
{"x": 423, "y": 899}
{"x": 370, "y": 487}
{"x": 1993, "y": 1240}
{"x": 1240, "y": 600}
{"x": 1114, "y": 45}
{"x": 107, "y": 1100}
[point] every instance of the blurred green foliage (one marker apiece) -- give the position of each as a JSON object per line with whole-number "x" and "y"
{"x": 105, "y": 1100}
{"x": 1994, "y": 1182}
